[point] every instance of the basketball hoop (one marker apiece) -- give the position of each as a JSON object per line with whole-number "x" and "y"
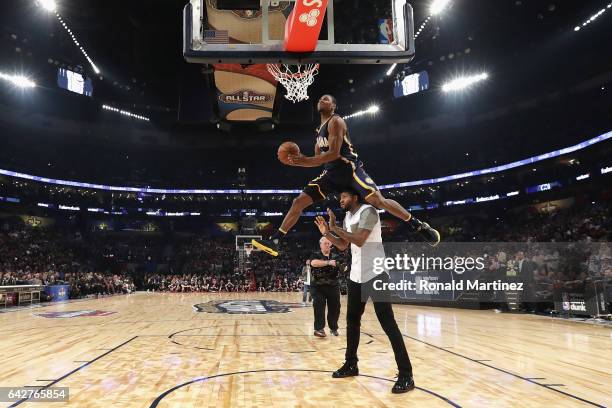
{"x": 296, "y": 79}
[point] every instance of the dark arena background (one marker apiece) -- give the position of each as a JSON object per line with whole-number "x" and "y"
{"x": 139, "y": 182}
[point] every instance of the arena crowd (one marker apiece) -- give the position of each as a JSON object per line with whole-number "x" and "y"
{"x": 96, "y": 265}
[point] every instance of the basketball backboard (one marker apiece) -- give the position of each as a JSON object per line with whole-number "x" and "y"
{"x": 242, "y": 240}
{"x": 375, "y": 32}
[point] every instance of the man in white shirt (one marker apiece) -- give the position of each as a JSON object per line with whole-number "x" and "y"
{"x": 362, "y": 230}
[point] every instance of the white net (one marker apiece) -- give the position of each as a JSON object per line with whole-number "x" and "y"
{"x": 295, "y": 78}
{"x": 248, "y": 248}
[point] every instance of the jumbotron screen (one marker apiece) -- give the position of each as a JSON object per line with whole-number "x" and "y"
{"x": 74, "y": 82}
{"x": 411, "y": 84}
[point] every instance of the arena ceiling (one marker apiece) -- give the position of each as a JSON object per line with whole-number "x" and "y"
{"x": 137, "y": 44}
{"x": 537, "y": 64}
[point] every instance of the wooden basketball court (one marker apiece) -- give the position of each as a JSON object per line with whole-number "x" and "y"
{"x": 156, "y": 350}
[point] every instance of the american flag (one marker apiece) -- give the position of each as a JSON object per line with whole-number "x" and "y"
{"x": 216, "y": 36}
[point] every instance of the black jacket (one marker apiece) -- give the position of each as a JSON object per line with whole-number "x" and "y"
{"x": 327, "y": 275}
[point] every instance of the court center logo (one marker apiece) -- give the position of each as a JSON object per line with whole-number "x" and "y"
{"x": 246, "y": 306}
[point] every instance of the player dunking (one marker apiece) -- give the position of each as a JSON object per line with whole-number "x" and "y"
{"x": 342, "y": 169}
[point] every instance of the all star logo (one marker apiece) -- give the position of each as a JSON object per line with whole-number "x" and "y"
{"x": 245, "y": 96}
{"x": 245, "y": 306}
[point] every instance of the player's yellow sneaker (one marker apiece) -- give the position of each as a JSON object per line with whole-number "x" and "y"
{"x": 268, "y": 246}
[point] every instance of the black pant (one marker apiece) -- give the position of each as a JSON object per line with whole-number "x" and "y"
{"x": 384, "y": 313}
{"x": 320, "y": 295}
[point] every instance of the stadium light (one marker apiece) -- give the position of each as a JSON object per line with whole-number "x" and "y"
{"x": 422, "y": 27}
{"x": 464, "y": 82}
{"x": 371, "y": 110}
{"x": 125, "y": 113}
{"x": 19, "y": 81}
{"x": 49, "y": 5}
{"x": 593, "y": 17}
{"x": 77, "y": 44}
{"x": 438, "y": 6}
{"x": 391, "y": 69}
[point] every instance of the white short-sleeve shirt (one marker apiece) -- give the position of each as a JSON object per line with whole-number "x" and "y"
{"x": 366, "y": 217}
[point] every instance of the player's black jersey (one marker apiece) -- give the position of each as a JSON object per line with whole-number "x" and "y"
{"x": 347, "y": 151}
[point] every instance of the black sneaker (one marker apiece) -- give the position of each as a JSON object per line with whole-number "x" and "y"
{"x": 347, "y": 370}
{"x": 320, "y": 333}
{"x": 266, "y": 245}
{"x": 402, "y": 385}
{"x": 334, "y": 333}
{"x": 430, "y": 235}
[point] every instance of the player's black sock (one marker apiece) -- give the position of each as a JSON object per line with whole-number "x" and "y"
{"x": 277, "y": 236}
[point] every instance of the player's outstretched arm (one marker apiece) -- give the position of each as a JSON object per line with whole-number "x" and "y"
{"x": 325, "y": 231}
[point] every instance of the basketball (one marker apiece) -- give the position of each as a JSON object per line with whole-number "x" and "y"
{"x": 285, "y": 149}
